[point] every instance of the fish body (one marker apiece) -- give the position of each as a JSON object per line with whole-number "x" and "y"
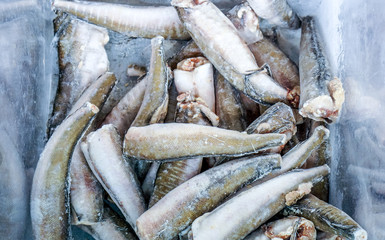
{"x": 48, "y": 195}
{"x": 134, "y": 21}
{"x": 327, "y": 218}
{"x": 236, "y": 218}
{"x": 177, "y": 210}
{"x": 174, "y": 141}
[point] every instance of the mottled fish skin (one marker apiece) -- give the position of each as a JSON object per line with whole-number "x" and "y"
{"x": 284, "y": 71}
{"x": 327, "y": 218}
{"x": 178, "y": 209}
{"x": 82, "y": 59}
{"x": 322, "y": 95}
{"x": 278, "y": 118}
{"x": 219, "y": 41}
{"x": 124, "y": 113}
{"x": 114, "y": 173}
{"x": 134, "y": 21}
{"x": 276, "y": 12}
{"x": 174, "y": 141}
{"x": 246, "y": 22}
{"x": 48, "y": 194}
{"x": 236, "y": 218}
{"x": 295, "y": 228}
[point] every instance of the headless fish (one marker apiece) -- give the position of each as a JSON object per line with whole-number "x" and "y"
{"x": 219, "y": 41}
{"x": 295, "y": 228}
{"x": 172, "y": 141}
{"x": 190, "y": 50}
{"x": 322, "y": 95}
{"x": 82, "y": 59}
{"x": 114, "y": 173}
{"x": 134, "y": 21}
{"x": 236, "y": 218}
{"x": 327, "y": 218}
{"x": 178, "y": 209}
{"x": 48, "y": 198}
{"x": 276, "y": 12}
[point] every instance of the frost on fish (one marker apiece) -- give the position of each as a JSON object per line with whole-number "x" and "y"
{"x": 124, "y": 113}
{"x": 276, "y": 12}
{"x": 296, "y": 228}
{"x": 82, "y": 59}
{"x": 284, "y": 71}
{"x": 327, "y": 218}
{"x": 246, "y": 22}
{"x": 288, "y": 41}
{"x": 114, "y": 173}
{"x": 134, "y": 21}
{"x": 219, "y": 41}
{"x": 48, "y": 195}
{"x": 176, "y": 210}
{"x": 244, "y": 213}
{"x": 172, "y": 141}
{"x": 322, "y": 95}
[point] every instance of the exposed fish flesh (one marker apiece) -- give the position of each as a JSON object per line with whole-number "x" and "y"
{"x": 134, "y": 21}
{"x": 190, "y": 50}
{"x": 242, "y": 214}
{"x": 178, "y": 209}
{"x": 48, "y": 195}
{"x": 172, "y": 141}
{"x": 322, "y": 95}
{"x": 327, "y": 218}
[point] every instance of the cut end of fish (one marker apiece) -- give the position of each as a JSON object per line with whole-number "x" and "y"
{"x": 360, "y": 234}
{"x": 293, "y": 196}
{"x": 190, "y": 64}
{"x": 293, "y": 96}
{"x": 135, "y": 71}
{"x": 186, "y": 3}
{"x": 320, "y": 109}
{"x": 322, "y": 132}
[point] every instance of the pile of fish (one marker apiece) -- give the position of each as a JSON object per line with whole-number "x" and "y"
{"x": 226, "y": 139}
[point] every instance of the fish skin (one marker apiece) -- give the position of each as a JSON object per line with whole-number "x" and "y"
{"x": 235, "y": 218}
{"x": 322, "y": 95}
{"x": 276, "y": 12}
{"x": 48, "y": 198}
{"x": 114, "y": 173}
{"x": 219, "y": 41}
{"x": 191, "y": 140}
{"x": 176, "y": 211}
{"x": 327, "y": 218}
{"x": 134, "y": 21}
{"x": 82, "y": 59}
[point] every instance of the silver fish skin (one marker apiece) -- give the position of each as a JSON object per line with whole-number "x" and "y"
{"x": 178, "y": 209}
{"x": 148, "y": 184}
{"x": 114, "y": 173}
{"x": 295, "y": 228}
{"x": 134, "y": 21}
{"x": 124, "y": 113}
{"x": 13, "y": 188}
{"x": 322, "y": 95}
{"x": 174, "y": 141}
{"x": 219, "y": 41}
{"x": 82, "y": 59}
{"x": 236, "y": 218}
{"x": 276, "y": 12}
{"x": 327, "y": 218}
{"x": 48, "y": 194}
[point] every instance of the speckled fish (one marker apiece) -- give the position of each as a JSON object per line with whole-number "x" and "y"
{"x": 327, "y": 218}
{"x": 322, "y": 95}
{"x": 134, "y": 21}
{"x": 295, "y": 228}
{"x": 236, "y": 218}
{"x": 284, "y": 71}
{"x": 178, "y": 209}
{"x": 48, "y": 194}
{"x": 219, "y": 41}
{"x": 173, "y": 141}
{"x": 114, "y": 173}
{"x": 124, "y": 113}
{"x": 246, "y": 22}
{"x": 82, "y": 59}
{"x": 278, "y": 118}
{"x": 111, "y": 226}
{"x": 276, "y": 12}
